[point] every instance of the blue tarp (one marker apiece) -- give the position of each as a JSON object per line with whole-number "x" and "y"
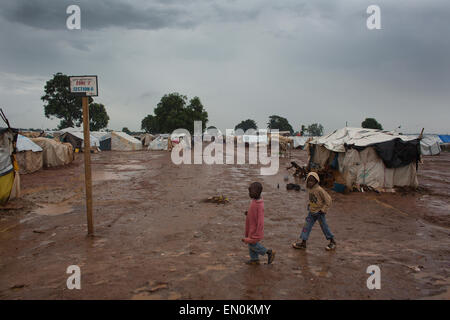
{"x": 445, "y": 138}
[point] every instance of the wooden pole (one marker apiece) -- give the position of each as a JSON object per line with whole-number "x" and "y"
{"x": 87, "y": 165}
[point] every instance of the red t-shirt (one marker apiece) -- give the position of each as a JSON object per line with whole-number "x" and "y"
{"x": 254, "y": 223}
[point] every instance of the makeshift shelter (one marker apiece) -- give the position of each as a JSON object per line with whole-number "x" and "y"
{"x": 299, "y": 141}
{"x": 76, "y": 139}
{"x": 9, "y": 176}
{"x": 29, "y": 155}
{"x": 430, "y": 145}
{"x": 146, "y": 139}
{"x": 119, "y": 141}
{"x": 369, "y": 157}
{"x": 55, "y": 153}
{"x": 445, "y": 138}
{"x": 160, "y": 143}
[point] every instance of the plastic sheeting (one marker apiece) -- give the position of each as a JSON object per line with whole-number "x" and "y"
{"x": 365, "y": 167}
{"x": 25, "y": 144}
{"x": 121, "y": 141}
{"x": 6, "y": 149}
{"x": 55, "y": 153}
{"x": 160, "y": 143}
{"x": 429, "y": 145}
{"x": 357, "y": 137}
{"x": 30, "y": 161}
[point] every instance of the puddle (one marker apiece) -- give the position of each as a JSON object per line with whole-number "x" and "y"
{"x": 108, "y": 175}
{"x": 126, "y": 167}
{"x": 53, "y": 209}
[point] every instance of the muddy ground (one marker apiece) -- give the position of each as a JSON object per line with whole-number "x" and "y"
{"x": 156, "y": 239}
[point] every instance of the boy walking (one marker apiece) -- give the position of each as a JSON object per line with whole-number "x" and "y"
{"x": 254, "y": 226}
{"x": 319, "y": 203}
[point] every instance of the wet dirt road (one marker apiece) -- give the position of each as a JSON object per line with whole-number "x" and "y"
{"x": 156, "y": 239}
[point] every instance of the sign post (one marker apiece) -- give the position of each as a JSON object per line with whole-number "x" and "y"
{"x": 86, "y": 86}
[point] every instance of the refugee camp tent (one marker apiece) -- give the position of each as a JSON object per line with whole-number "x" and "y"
{"x": 299, "y": 141}
{"x": 9, "y": 177}
{"x": 122, "y": 141}
{"x": 55, "y": 153}
{"x": 445, "y": 138}
{"x": 105, "y": 142}
{"x": 160, "y": 143}
{"x": 430, "y": 145}
{"x": 29, "y": 155}
{"x": 119, "y": 141}
{"x": 374, "y": 158}
{"x": 146, "y": 139}
{"x": 76, "y": 139}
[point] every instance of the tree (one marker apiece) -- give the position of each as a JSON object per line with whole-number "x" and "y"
{"x": 126, "y": 130}
{"x": 60, "y": 103}
{"x": 98, "y": 118}
{"x": 173, "y": 112}
{"x": 371, "y": 123}
{"x": 246, "y": 124}
{"x": 303, "y": 130}
{"x": 315, "y": 129}
{"x": 280, "y": 123}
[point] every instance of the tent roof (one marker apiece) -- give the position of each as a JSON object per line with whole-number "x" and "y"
{"x": 445, "y": 138}
{"x": 359, "y": 137}
{"x": 25, "y": 144}
{"x": 126, "y": 136}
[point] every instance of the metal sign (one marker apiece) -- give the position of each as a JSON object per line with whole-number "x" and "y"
{"x": 86, "y": 86}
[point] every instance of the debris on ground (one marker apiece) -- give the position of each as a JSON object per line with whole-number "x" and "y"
{"x": 300, "y": 172}
{"x": 217, "y": 199}
{"x": 293, "y": 186}
{"x": 152, "y": 287}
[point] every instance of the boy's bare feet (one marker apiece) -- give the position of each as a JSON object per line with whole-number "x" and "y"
{"x": 252, "y": 262}
{"x": 270, "y": 256}
{"x": 299, "y": 245}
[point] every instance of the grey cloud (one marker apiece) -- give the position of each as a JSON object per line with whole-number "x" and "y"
{"x": 51, "y": 15}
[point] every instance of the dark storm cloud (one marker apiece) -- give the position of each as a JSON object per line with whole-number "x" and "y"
{"x": 98, "y": 14}
{"x": 310, "y": 61}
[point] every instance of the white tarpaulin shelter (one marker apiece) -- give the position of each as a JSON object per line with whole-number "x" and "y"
{"x": 430, "y": 145}
{"x": 121, "y": 141}
{"x": 299, "y": 141}
{"x": 370, "y": 157}
{"x": 29, "y": 155}
{"x": 159, "y": 143}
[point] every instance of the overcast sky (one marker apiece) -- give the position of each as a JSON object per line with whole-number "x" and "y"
{"x": 308, "y": 61}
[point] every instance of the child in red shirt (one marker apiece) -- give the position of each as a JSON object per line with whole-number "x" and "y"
{"x": 254, "y": 226}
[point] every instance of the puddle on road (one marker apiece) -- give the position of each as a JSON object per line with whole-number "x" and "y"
{"x": 126, "y": 167}
{"x": 53, "y": 209}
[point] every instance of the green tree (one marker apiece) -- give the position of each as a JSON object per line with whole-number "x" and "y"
{"x": 98, "y": 118}
{"x": 280, "y": 123}
{"x": 303, "y": 130}
{"x": 60, "y": 103}
{"x": 246, "y": 124}
{"x": 315, "y": 129}
{"x": 174, "y": 112}
{"x": 126, "y": 130}
{"x": 371, "y": 123}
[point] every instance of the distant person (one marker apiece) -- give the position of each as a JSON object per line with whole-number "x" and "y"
{"x": 254, "y": 226}
{"x": 319, "y": 203}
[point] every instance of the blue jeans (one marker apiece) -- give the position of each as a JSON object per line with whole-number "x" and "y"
{"x": 255, "y": 250}
{"x": 310, "y": 220}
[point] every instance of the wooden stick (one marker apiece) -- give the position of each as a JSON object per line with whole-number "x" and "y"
{"x": 87, "y": 165}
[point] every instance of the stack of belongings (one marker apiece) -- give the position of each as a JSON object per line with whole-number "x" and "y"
{"x": 366, "y": 159}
